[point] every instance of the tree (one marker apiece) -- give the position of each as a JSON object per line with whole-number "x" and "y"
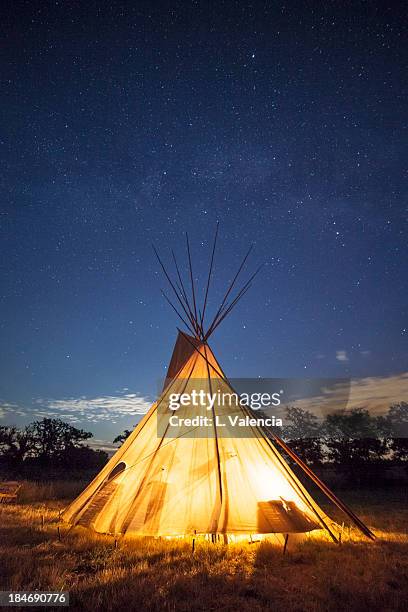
{"x": 49, "y": 443}
{"x": 122, "y": 437}
{"x": 303, "y": 431}
{"x": 354, "y": 443}
{"x": 52, "y": 437}
{"x": 80, "y": 457}
{"x": 15, "y": 445}
{"x": 394, "y": 426}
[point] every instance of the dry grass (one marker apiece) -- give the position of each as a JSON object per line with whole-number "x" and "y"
{"x": 143, "y": 574}
{"x": 50, "y": 490}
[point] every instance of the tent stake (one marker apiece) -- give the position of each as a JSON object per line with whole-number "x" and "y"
{"x": 286, "y": 543}
{"x": 341, "y": 532}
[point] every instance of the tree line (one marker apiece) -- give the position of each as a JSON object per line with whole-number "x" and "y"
{"x": 49, "y": 445}
{"x": 353, "y": 443}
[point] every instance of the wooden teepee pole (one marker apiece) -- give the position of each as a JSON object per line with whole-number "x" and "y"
{"x": 183, "y": 290}
{"x": 231, "y": 286}
{"x": 190, "y": 265}
{"x": 191, "y": 319}
{"x": 209, "y": 276}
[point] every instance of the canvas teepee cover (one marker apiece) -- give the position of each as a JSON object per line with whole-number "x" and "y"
{"x": 195, "y": 480}
{"x": 176, "y": 480}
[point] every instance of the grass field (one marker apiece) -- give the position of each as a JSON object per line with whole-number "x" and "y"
{"x": 143, "y": 574}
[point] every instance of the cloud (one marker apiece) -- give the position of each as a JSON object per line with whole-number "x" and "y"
{"x": 95, "y": 409}
{"x": 342, "y": 356}
{"x": 376, "y": 394}
{"x": 6, "y": 409}
{"x": 104, "y": 445}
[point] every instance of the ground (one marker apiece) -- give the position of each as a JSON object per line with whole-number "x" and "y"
{"x": 165, "y": 575}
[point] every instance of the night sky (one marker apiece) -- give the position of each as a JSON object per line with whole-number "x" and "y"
{"x": 127, "y": 124}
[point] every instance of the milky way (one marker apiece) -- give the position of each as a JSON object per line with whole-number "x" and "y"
{"x": 126, "y": 124}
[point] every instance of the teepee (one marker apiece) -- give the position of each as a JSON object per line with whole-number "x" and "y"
{"x": 175, "y": 477}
